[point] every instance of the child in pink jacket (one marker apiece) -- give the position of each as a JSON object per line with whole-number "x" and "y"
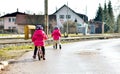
{"x": 39, "y": 38}
{"x": 56, "y": 34}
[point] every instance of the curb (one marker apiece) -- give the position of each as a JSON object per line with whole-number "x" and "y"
{"x": 3, "y": 64}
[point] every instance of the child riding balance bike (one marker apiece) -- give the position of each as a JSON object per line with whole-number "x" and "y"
{"x": 56, "y": 34}
{"x": 38, "y": 39}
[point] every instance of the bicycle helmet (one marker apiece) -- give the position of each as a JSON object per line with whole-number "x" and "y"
{"x": 39, "y": 27}
{"x": 55, "y": 28}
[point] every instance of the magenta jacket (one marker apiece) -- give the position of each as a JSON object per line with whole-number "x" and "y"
{"x": 39, "y": 38}
{"x": 56, "y": 34}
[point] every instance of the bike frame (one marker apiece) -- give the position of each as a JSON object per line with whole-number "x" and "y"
{"x": 39, "y": 52}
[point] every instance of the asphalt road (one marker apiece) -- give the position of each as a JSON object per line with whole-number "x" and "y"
{"x": 85, "y": 57}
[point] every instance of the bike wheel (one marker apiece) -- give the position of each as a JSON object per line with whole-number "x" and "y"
{"x": 39, "y": 57}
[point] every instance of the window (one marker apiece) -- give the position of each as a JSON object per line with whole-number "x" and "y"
{"x": 79, "y": 24}
{"x": 9, "y": 27}
{"x": 61, "y": 16}
{"x": 68, "y": 16}
{"x": 13, "y": 19}
{"x": 13, "y": 27}
{"x": 9, "y": 19}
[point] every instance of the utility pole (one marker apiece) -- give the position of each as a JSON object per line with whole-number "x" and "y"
{"x": 46, "y": 16}
{"x": 67, "y": 19}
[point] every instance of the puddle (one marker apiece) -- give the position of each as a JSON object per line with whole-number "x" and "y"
{"x": 98, "y": 49}
{"x": 88, "y": 52}
{"x": 21, "y": 61}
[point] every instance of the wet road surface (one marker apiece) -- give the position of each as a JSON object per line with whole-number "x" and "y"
{"x": 85, "y": 57}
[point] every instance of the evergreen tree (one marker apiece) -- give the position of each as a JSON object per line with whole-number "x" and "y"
{"x": 99, "y": 15}
{"x": 110, "y": 20}
{"x": 105, "y": 18}
{"x": 105, "y": 13}
{"x": 118, "y": 24}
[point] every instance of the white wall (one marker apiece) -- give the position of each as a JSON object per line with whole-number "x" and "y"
{"x": 8, "y": 24}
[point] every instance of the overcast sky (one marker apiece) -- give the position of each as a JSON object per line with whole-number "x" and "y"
{"x": 88, "y": 7}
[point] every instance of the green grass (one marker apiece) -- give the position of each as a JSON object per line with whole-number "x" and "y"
{"x": 4, "y": 34}
{"x": 14, "y": 52}
{"x": 18, "y": 47}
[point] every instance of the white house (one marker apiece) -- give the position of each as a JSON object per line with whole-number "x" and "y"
{"x": 65, "y": 13}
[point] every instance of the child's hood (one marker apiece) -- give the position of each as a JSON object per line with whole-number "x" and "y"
{"x": 56, "y": 31}
{"x": 39, "y": 32}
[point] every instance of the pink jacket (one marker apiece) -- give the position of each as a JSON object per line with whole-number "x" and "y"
{"x": 39, "y": 38}
{"x": 56, "y": 34}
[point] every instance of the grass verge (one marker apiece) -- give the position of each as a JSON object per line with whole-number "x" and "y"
{"x": 14, "y": 52}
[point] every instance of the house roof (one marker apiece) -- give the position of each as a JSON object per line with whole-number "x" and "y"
{"x": 12, "y": 14}
{"x": 84, "y": 17}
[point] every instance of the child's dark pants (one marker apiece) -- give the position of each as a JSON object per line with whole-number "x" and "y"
{"x": 43, "y": 50}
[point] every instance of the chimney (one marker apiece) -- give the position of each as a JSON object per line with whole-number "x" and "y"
{"x": 17, "y": 10}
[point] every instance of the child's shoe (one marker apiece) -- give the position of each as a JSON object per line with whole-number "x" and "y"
{"x": 60, "y": 46}
{"x": 34, "y": 57}
{"x": 43, "y": 58}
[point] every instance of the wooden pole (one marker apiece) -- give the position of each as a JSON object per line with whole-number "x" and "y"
{"x": 103, "y": 28}
{"x": 46, "y": 16}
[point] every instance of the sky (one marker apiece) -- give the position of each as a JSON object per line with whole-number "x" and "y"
{"x": 87, "y": 7}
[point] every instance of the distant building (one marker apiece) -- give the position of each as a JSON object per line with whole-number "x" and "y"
{"x": 8, "y": 22}
{"x": 96, "y": 27}
{"x": 23, "y": 20}
{"x": 65, "y": 14}
{"x": 16, "y": 21}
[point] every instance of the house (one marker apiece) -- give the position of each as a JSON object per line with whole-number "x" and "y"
{"x": 1, "y": 25}
{"x": 66, "y": 15}
{"x": 23, "y": 20}
{"x": 8, "y": 22}
{"x": 16, "y": 21}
